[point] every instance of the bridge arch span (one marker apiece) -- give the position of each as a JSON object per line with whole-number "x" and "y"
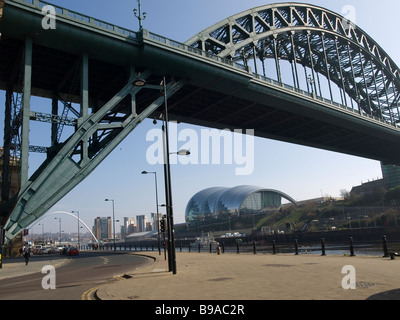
{"x": 74, "y": 216}
{"x": 318, "y": 40}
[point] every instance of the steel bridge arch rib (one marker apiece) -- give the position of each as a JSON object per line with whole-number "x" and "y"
{"x": 75, "y": 217}
{"x": 317, "y": 38}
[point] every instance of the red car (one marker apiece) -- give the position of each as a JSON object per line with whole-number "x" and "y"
{"x": 72, "y": 251}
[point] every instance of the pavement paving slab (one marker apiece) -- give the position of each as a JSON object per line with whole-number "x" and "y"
{"x": 205, "y": 276}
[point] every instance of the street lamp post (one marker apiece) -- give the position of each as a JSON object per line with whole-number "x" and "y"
{"x": 115, "y": 248}
{"x": 41, "y": 224}
{"x": 79, "y": 245}
{"x": 167, "y": 176}
{"x": 168, "y": 193}
{"x": 158, "y": 215}
{"x": 59, "y": 220}
{"x": 139, "y": 15}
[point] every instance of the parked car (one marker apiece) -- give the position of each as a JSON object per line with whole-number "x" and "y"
{"x": 37, "y": 249}
{"x": 72, "y": 251}
{"x": 53, "y": 250}
{"x": 45, "y": 250}
{"x": 60, "y": 249}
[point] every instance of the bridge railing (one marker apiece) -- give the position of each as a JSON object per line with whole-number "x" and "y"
{"x": 81, "y": 18}
{"x": 172, "y": 43}
{"x": 322, "y": 99}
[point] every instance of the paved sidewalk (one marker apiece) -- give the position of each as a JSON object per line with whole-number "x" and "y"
{"x": 205, "y": 276}
{"x": 15, "y": 267}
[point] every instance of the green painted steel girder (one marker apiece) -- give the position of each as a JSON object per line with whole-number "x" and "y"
{"x": 63, "y": 173}
{"x": 315, "y": 37}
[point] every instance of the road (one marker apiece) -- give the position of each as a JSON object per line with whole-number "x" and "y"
{"x": 77, "y": 279}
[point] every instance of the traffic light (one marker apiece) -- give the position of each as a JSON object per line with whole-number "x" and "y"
{"x": 162, "y": 225}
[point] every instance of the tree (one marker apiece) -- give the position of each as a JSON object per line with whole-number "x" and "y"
{"x": 345, "y": 194}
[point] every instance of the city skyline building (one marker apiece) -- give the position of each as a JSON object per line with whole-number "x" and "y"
{"x": 102, "y": 228}
{"x": 156, "y": 220}
{"x": 141, "y": 223}
{"x": 128, "y": 227}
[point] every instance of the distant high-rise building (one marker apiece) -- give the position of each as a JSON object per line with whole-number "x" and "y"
{"x": 102, "y": 228}
{"x": 141, "y": 223}
{"x": 128, "y": 227}
{"x": 391, "y": 175}
{"x": 156, "y": 220}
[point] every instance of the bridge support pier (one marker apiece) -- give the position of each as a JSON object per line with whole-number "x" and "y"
{"x": 26, "y": 110}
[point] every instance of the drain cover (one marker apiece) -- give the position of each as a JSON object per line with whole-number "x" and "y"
{"x": 362, "y": 284}
{"x": 220, "y": 279}
{"x": 279, "y": 265}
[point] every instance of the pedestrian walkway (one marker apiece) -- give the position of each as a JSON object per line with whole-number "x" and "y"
{"x": 205, "y": 276}
{"x": 15, "y": 267}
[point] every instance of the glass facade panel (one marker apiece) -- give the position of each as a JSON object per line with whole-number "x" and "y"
{"x": 202, "y": 205}
{"x": 219, "y": 202}
{"x": 234, "y": 197}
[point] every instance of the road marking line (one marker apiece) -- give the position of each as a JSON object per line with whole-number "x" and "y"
{"x": 87, "y": 295}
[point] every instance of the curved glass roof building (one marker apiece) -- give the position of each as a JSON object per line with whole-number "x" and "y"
{"x": 220, "y": 202}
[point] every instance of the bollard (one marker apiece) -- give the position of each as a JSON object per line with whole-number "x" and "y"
{"x": 199, "y": 247}
{"x": 323, "y": 247}
{"x": 385, "y": 249}
{"x": 210, "y": 247}
{"x": 237, "y": 247}
{"x": 190, "y": 248}
{"x": 296, "y": 247}
{"x": 273, "y": 247}
{"x": 351, "y": 247}
{"x": 223, "y": 248}
{"x": 254, "y": 247}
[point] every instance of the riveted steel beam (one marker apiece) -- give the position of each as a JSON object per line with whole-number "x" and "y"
{"x": 279, "y": 30}
{"x": 65, "y": 170}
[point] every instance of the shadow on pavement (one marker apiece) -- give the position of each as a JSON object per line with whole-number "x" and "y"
{"x": 387, "y": 295}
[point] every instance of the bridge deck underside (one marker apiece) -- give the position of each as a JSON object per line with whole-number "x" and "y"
{"x": 210, "y": 108}
{"x": 271, "y": 116}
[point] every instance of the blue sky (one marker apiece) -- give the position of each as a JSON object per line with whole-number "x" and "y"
{"x": 301, "y": 172}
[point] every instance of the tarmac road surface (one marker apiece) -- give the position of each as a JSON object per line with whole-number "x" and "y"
{"x": 74, "y": 279}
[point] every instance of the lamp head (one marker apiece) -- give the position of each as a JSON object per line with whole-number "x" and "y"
{"x": 139, "y": 83}
{"x": 183, "y": 152}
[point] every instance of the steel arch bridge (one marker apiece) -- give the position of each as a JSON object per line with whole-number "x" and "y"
{"x": 75, "y": 217}
{"x": 313, "y": 37}
{"x": 342, "y": 94}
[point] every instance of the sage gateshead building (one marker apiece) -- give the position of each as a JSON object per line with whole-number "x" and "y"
{"x": 221, "y": 203}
